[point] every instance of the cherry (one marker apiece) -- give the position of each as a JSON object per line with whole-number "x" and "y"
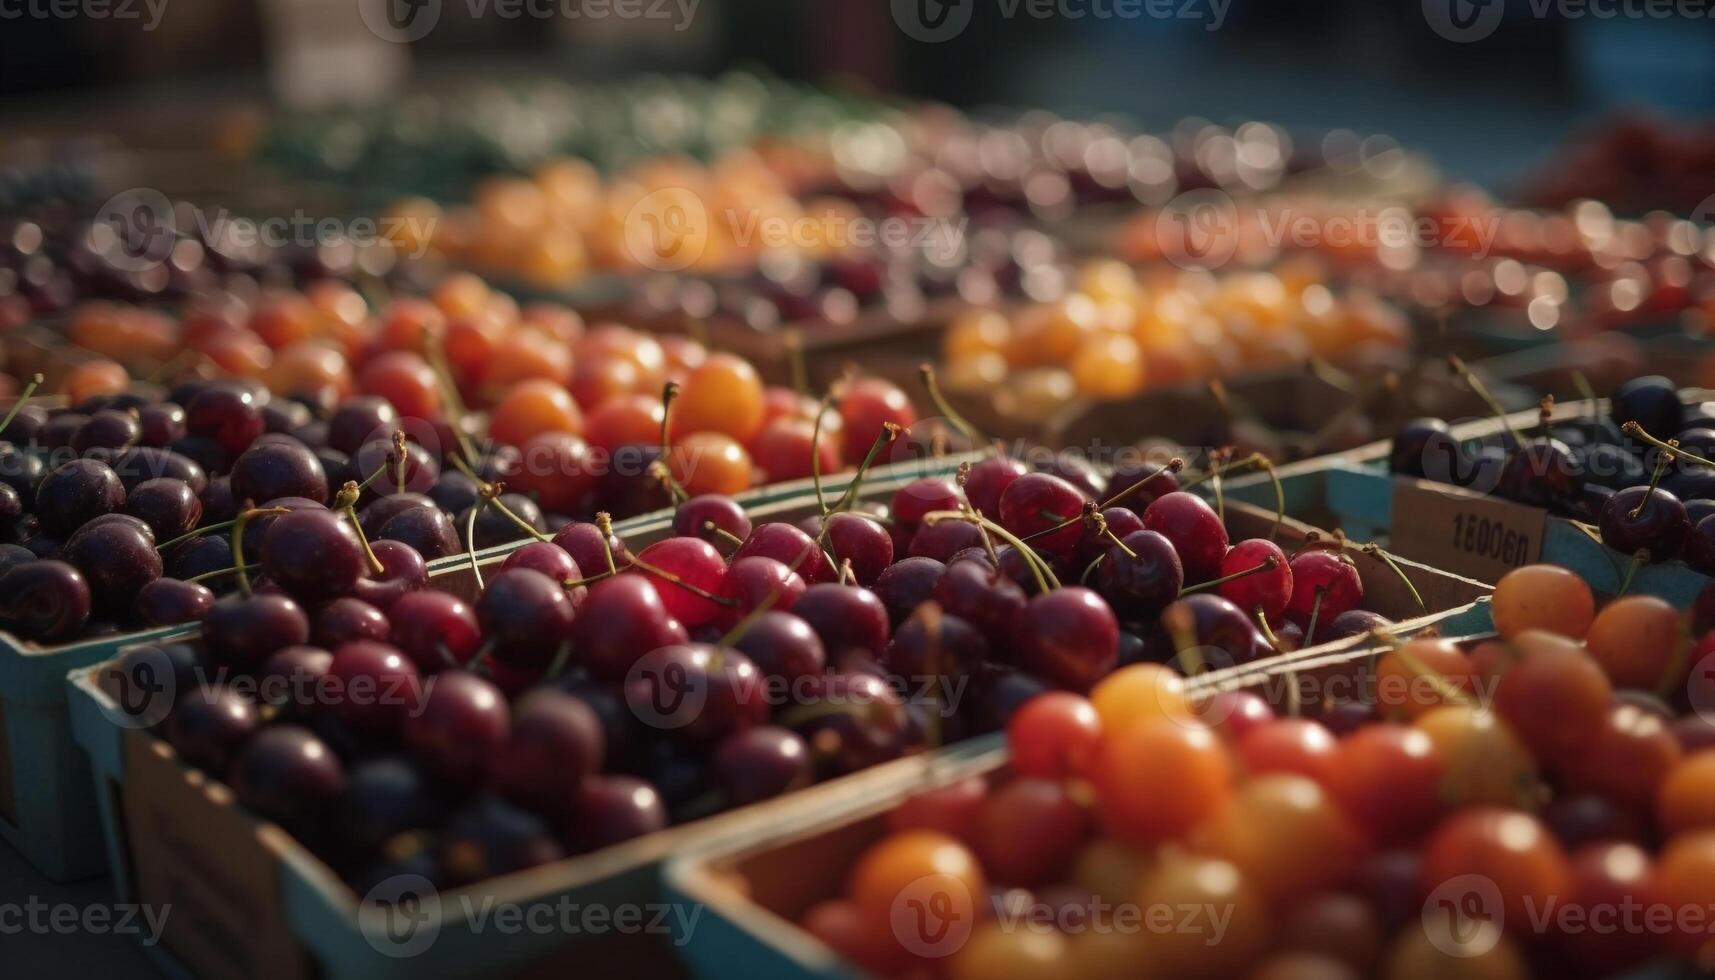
{"x": 1141, "y": 578}
{"x": 169, "y": 602}
{"x": 545, "y": 557}
{"x": 435, "y": 629}
{"x": 416, "y": 471}
{"x": 1642, "y": 518}
{"x": 1352, "y": 622}
{"x": 556, "y": 743}
{"x": 283, "y": 467}
{"x": 791, "y": 547}
{"x": 848, "y": 619}
{"x": 944, "y": 539}
{"x": 1542, "y": 472}
{"x": 117, "y": 557}
{"x": 783, "y": 645}
{"x": 697, "y": 691}
{"x": 585, "y": 544}
{"x": 760, "y": 764}
{"x": 402, "y": 571}
{"x": 158, "y": 424}
{"x": 850, "y": 721}
{"x": 1091, "y": 545}
{"x": 1076, "y": 470}
{"x": 1217, "y": 626}
{"x": 1327, "y": 574}
{"x": 1268, "y": 590}
{"x": 76, "y": 492}
{"x": 359, "y": 420}
{"x": 858, "y": 539}
{"x": 622, "y": 619}
{"x": 693, "y": 516}
{"x": 942, "y": 647}
{"x": 1069, "y": 637}
{"x": 924, "y": 496}
{"x": 683, "y": 570}
{"x": 614, "y": 809}
{"x": 209, "y": 725}
{"x": 906, "y": 584}
{"x": 977, "y": 593}
{"x": 1652, "y": 402}
{"x": 1194, "y": 529}
{"x": 378, "y": 687}
{"x": 313, "y": 554}
{"x": 493, "y": 528}
{"x": 750, "y": 582}
{"x": 427, "y": 530}
{"x": 453, "y": 492}
{"x": 242, "y": 631}
{"x": 988, "y": 480}
{"x": 867, "y": 405}
{"x": 1036, "y": 502}
{"x": 227, "y": 413}
{"x": 1700, "y": 546}
{"x": 460, "y": 725}
{"x": 385, "y": 797}
{"x": 489, "y": 836}
{"x": 286, "y": 774}
{"x": 198, "y": 556}
{"x": 526, "y": 615}
{"x": 346, "y": 619}
{"x": 1613, "y": 467}
{"x": 1425, "y": 447}
{"x": 558, "y": 470}
{"x": 170, "y": 507}
{"x": 109, "y": 428}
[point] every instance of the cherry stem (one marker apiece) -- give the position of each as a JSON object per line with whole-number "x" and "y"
{"x": 1443, "y": 688}
{"x": 847, "y": 576}
{"x": 470, "y": 539}
{"x": 1173, "y": 465}
{"x": 491, "y": 492}
{"x": 669, "y": 392}
{"x": 1267, "y": 631}
{"x": 400, "y": 455}
{"x": 1464, "y": 371}
{"x": 1267, "y": 466}
{"x": 23, "y": 396}
{"x": 224, "y": 571}
{"x": 1661, "y": 465}
{"x": 815, "y": 450}
{"x": 436, "y": 350}
{"x": 577, "y": 583}
{"x": 562, "y": 656}
{"x": 1121, "y": 545}
{"x": 1585, "y": 390}
{"x": 363, "y": 539}
{"x": 889, "y": 432}
{"x": 710, "y": 527}
{"x": 952, "y": 415}
{"x": 929, "y": 613}
{"x": 238, "y": 524}
{"x": 1294, "y": 698}
{"x": 604, "y": 524}
{"x": 1045, "y": 579}
{"x": 1183, "y": 631}
{"x": 1375, "y": 549}
{"x": 1219, "y": 469}
{"x": 199, "y": 532}
{"x": 1268, "y": 563}
{"x": 670, "y": 577}
{"x": 1638, "y": 561}
{"x": 1084, "y": 579}
{"x": 1315, "y": 614}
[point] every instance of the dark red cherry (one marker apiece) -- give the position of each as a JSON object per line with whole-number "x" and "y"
{"x": 1329, "y": 574}
{"x": 546, "y": 557}
{"x": 906, "y": 584}
{"x": 979, "y": 594}
{"x": 360, "y": 420}
{"x": 1700, "y": 545}
{"x": 459, "y": 727}
{"x": 170, "y": 507}
{"x": 169, "y": 602}
{"x": 526, "y": 615}
{"x": 685, "y": 571}
{"x": 117, "y": 557}
{"x": 859, "y": 539}
{"x": 944, "y": 539}
{"x": 141, "y": 463}
{"x": 944, "y": 647}
{"x": 850, "y": 721}
{"x": 210, "y": 724}
{"x": 584, "y": 543}
{"x": 1138, "y": 483}
{"x": 74, "y": 493}
{"x": 556, "y": 742}
{"x": 723, "y": 512}
{"x": 227, "y": 413}
{"x": 927, "y": 495}
{"x": 428, "y": 530}
{"x": 241, "y": 632}
{"x": 783, "y": 646}
{"x": 107, "y": 429}
{"x": 1069, "y": 637}
{"x": 286, "y": 774}
{"x": 1091, "y": 545}
{"x": 1140, "y": 587}
{"x": 437, "y": 630}
{"x": 1268, "y": 590}
{"x": 1036, "y": 502}
{"x": 622, "y": 619}
{"x": 1352, "y": 622}
{"x": 313, "y": 554}
{"x": 750, "y": 582}
{"x": 44, "y": 601}
{"x": 198, "y": 556}
{"x": 280, "y": 467}
{"x": 697, "y": 692}
{"x": 1195, "y": 530}
{"x": 615, "y": 809}
{"x": 377, "y": 687}
{"x": 417, "y": 473}
{"x": 346, "y": 619}
{"x": 160, "y": 423}
{"x": 1223, "y": 634}
{"x": 402, "y": 571}
{"x": 494, "y": 528}
{"x": 791, "y": 547}
{"x": 386, "y": 797}
{"x": 490, "y": 837}
{"x": 847, "y": 618}
{"x": 988, "y": 480}
{"x": 760, "y": 764}
{"x": 1637, "y": 518}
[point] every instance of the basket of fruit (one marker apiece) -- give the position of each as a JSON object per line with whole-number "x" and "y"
{"x": 1491, "y": 806}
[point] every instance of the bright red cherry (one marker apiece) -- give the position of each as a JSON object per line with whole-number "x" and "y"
{"x": 1269, "y": 590}
{"x": 1195, "y": 530}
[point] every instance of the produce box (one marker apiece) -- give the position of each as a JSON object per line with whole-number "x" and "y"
{"x": 267, "y": 907}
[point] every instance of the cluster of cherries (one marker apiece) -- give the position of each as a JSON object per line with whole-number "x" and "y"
{"x": 1558, "y": 767}
{"x": 1647, "y": 496}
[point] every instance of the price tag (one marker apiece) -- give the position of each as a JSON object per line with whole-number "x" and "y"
{"x": 1481, "y": 537}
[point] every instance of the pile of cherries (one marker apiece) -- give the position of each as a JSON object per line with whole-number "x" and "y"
{"x": 1641, "y": 473}
{"x": 1551, "y": 790}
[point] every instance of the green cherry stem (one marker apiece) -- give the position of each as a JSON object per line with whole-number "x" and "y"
{"x": 23, "y": 396}
{"x": 1267, "y": 564}
{"x": 970, "y": 432}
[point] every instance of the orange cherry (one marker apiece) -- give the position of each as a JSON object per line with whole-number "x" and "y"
{"x": 283, "y": 319}
{"x": 724, "y": 395}
{"x": 95, "y": 377}
{"x": 531, "y": 408}
{"x": 461, "y": 294}
{"x": 313, "y": 368}
{"x": 600, "y": 378}
{"x": 624, "y": 420}
{"x": 710, "y": 462}
{"x": 405, "y": 379}
{"x": 408, "y": 323}
{"x": 562, "y": 323}
{"x": 555, "y": 468}
{"x": 239, "y": 352}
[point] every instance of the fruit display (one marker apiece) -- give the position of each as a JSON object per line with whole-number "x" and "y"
{"x": 1425, "y": 829}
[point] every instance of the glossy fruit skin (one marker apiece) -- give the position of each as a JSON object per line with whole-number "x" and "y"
{"x": 1288, "y": 837}
{"x": 791, "y": 547}
{"x": 721, "y": 511}
{"x": 1134, "y": 764}
{"x": 1195, "y": 531}
{"x": 243, "y": 631}
{"x": 919, "y": 498}
{"x": 1387, "y": 778}
{"x": 283, "y": 468}
{"x": 1510, "y": 848}
{"x": 1029, "y": 831}
{"x": 1069, "y": 637}
{"x": 426, "y": 530}
{"x": 1660, "y": 524}
{"x": 1223, "y": 634}
{"x": 1036, "y": 502}
{"x": 1422, "y": 445}
{"x": 459, "y": 726}
{"x": 851, "y": 721}
{"x": 526, "y": 615}
{"x": 1553, "y": 695}
{"x": 848, "y": 619}
{"x": 229, "y": 414}
{"x": 1418, "y": 677}
{"x": 1543, "y": 597}
{"x": 1542, "y": 472}
{"x": 552, "y": 733}
{"x": 403, "y": 571}
{"x": 981, "y": 596}
{"x": 614, "y": 809}
{"x": 313, "y": 554}
{"x": 622, "y": 619}
{"x": 863, "y": 542}
{"x": 783, "y": 646}
{"x": 359, "y": 420}
{"x": 1329, "y": 575}
{"x": 1652, "y": 402}
{"x": 117, "y": 557}
{"x": 286, "y": 774}
{"x": 76, "y": 492}
{"x": 1157, "y": 480}
{"x": 905, "y": 584}
{"x": 1269, "y": 590}
{"x": 692, "y": 561}
{"x": 944, "y": 539}
{"x": 1056, "y": 736}
{"x": 759, "y": 764}
{"x": 866, "y": 406}
{"x": 584, "y": 543}
{"x": 988, "y": 480}
{"x": 1141, "y": 586}
{"x": 170, "y": 507}
{"x": 916, "y": 861}
{"x": 1629, "y": 758}
{"x": 934, "y": 654}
